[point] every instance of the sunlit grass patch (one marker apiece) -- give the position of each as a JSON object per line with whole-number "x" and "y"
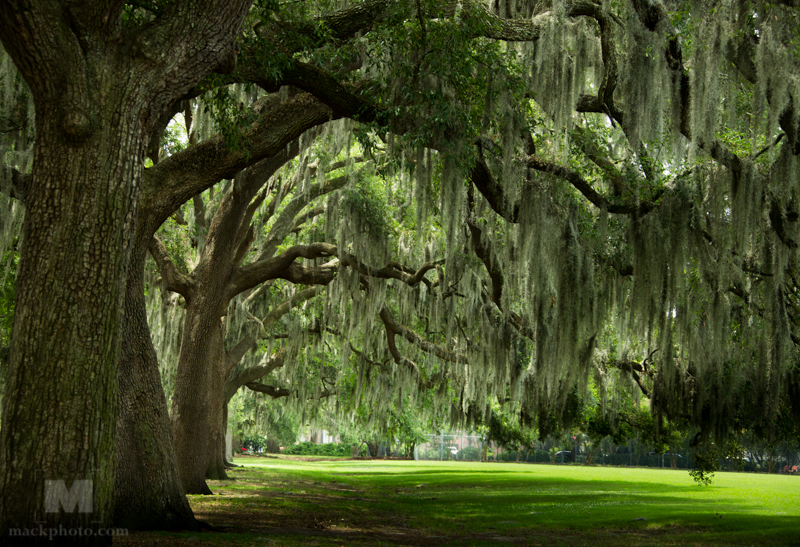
{"x": 431, "y": 503}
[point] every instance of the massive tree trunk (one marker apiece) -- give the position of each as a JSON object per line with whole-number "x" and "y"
{"x": 59, "y": 408}
{"x": 98, "y": 90}
{"x": 148, "y": 491}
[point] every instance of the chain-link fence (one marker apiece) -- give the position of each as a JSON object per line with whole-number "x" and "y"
{"x": 450, "y": 447}
{"x": 465, "y": 447}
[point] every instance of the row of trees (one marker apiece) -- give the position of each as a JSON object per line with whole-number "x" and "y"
{"x": 525, "y": 196}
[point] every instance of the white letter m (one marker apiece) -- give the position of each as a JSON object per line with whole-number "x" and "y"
{"x": 57, "y": 494}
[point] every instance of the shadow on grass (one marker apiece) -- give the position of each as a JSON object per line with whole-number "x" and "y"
{"x": 323, "y": 505}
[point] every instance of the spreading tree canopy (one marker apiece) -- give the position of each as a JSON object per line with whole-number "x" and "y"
{"x": 558, "y": 192}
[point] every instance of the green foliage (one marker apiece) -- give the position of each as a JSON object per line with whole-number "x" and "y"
{"x": 433, "y": 71}
{"x": 264, "y": 418}
{"x": 230, "y": 115}
{"x": 312, "y": 449}
{"x": 505, "y": 428}
{"x": 408, "y": 427}
{"x": 136, "y": 14}
{"x": 706, "y": 462}
{"x": 176, "y": 239}
{"x": 366, "y": 202}
{"x": 8, "y": 269}
{"x": 551, "y": 423}
{"x": 437, "y": 85}
{"x": 254, "y": 443}
{"x": 174, "y": 139}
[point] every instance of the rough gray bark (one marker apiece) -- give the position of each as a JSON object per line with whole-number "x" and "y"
{"x": 202, "y": 365}
{"x": 148, "y": 492}
{"x": 96, "y": 105}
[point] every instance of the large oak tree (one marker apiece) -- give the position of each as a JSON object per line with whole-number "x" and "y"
{"x": 99, "y": 88}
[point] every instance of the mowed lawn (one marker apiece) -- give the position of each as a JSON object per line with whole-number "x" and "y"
{"x": 345, "y": 502}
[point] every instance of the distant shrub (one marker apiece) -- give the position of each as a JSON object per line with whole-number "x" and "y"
{"x": 253, "y": 443}
{"x": 311, "y": 449}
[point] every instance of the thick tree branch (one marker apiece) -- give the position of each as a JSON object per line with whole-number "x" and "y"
{"x": 740, "y": 53}
{"x": 257, "y": 175}
{"x": 339, "y": 26}
{"x": 589, "y": 148}
{"x": 585, "y": 188}
{"x": 481, "y": 176}
{"x": 47, "y": 52}
{"x": 394, "y": 327}
{"x": 272, "y": 391}
{"x": 202, "y": 34}
{"x": 239, "y": 376}
{"x": 633, "y": 368}
{"x": 283, "y": 267}
{"x": 284, "y": 223}
{"x": 392, "y": 270}
{"x": 305, "y": 217}
{"x": 179, "y": 177}
{"x": 286, "y": 306}
{"x": 278, "y": 392}
{"x": 494, "y": 192}
{"x": 244, "y": 246}
{"x": 344, "y": 100}
{"x": 481, "y": 23}
{"x": 484, "y": 251}
{"x": 173, "y": 280}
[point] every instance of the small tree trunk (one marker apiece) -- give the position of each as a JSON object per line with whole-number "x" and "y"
{"x": 373, "y": 449}
{"x": 227, "y": 456}
{"x": 591, "y": 454}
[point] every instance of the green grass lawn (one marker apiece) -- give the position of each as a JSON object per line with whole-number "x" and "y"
{"x": 287, "y": 502}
